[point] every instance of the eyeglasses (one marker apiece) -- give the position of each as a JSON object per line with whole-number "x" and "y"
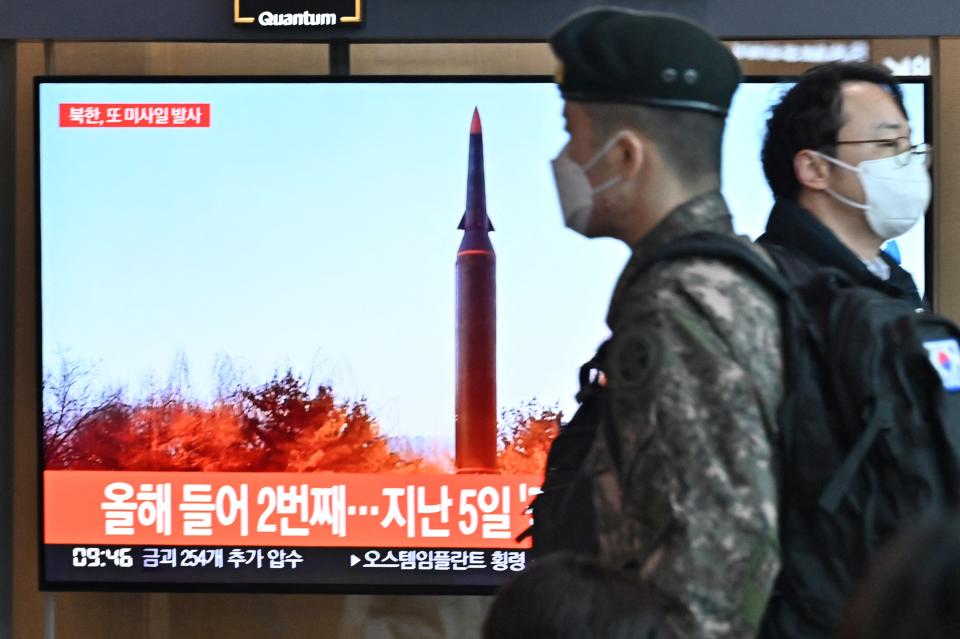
{"x": 900, "y": 148}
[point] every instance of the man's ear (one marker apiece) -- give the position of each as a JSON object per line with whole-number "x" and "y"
{"x": 812, "y": 171}
{"x": 629, "y": 154}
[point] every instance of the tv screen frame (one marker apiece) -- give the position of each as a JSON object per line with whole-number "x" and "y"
{"x": 330, "y": 588}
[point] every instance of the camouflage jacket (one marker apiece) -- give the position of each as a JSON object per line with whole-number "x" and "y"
{"x": 694, "y": 377}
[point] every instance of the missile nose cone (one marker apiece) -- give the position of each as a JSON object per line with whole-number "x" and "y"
{"x": 475, "y": 124}
{"x": 475, "y": 217}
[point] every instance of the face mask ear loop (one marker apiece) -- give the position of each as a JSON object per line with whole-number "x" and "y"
{"x": 609, "y": 184}
{"x": 838, "y": 162}
{"x": 604, "y": 149}
{"x": 616, "y": 179}
{"x": 847, "y": 201}
{"x": 834, "y": 194}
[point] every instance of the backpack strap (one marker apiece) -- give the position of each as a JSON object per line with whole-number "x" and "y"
{"x": 590, "y": 387}
{"x": 708, "y": 244}
{"x": 841, "y": 481}
{"x": 795, "y": 268}
{"x": 589, "y": 374}
{"x": 727, "y": 249}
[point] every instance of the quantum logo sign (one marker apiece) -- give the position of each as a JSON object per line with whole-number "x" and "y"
{"x": 297, "y": 13}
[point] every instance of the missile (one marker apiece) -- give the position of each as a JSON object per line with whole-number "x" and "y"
{"x": 476, "y": 324}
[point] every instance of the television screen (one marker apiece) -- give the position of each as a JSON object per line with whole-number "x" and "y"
{"x": 316, "y": 334}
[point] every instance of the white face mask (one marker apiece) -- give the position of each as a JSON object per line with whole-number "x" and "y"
{"x": 897, "y": 194}
{"x": 573, "y": 186}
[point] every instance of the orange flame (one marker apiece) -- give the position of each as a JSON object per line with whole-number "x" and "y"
{"x": 277, "y": 427}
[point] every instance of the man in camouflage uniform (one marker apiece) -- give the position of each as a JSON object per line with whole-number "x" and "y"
{"x": 693, "y": 368}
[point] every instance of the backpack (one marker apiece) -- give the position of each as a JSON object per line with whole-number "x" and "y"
{"x": 869, "y": 440}
{"x": 563, "y": 515}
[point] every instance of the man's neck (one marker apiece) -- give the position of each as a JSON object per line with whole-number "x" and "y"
{"x": 654, "y": 206}
{"x": 846, "y": 222}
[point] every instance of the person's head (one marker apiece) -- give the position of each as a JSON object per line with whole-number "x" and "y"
{"x": 567, "y": 597}
{"x": 913, "y": 590}
{"x": 646, "y": 96}
{"x": 835, "y": 144}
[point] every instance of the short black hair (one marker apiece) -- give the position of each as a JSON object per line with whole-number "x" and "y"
{"x": 568, "y": 597}
{"x": 689, "y": 141}
{"x": 810, "y": 115}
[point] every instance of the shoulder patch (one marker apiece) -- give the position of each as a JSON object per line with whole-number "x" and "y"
{"x": 634, "y": 357}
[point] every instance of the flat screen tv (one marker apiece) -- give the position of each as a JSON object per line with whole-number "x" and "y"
{"x": 316, "y": 334}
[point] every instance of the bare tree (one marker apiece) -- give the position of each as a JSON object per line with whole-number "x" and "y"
{"x": 69, "y": 405}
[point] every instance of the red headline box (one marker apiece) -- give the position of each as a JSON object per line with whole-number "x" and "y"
{"x": 134, "y": 115}
{"x": 287, "y": 509}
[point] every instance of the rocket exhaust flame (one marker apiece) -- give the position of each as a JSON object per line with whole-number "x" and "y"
{"x": 476, "y": 324}
{"x": 280, "y": 426}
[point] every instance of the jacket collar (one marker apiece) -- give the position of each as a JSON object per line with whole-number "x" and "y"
{"x": 798, "y": 230}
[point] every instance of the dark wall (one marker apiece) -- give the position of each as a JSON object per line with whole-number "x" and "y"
{"x": 7, "y": 202}
{"x": 833, "y": 18}
{"x": 474, "y": 20}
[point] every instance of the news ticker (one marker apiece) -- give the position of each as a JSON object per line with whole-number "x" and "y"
{"x": 213, "y": 565}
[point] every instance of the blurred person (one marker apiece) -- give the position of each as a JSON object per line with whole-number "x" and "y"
{"x": 913, "y": 588}
{"x": 569, "y": 597}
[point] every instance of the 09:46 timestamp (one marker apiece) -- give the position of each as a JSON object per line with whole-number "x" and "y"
{"x": 93, "y": 557}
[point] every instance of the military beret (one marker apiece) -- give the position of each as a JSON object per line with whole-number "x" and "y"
{"x": 636, "y": 57}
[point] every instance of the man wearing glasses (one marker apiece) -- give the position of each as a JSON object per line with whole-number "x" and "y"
{"x": 846, "y": 178}
{"x": 845, "y": 175}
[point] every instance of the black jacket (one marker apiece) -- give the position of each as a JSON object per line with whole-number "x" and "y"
{"x": 799, "y": 231}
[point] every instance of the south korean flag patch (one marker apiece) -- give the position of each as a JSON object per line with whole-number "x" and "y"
{"x": 945, "y": 357}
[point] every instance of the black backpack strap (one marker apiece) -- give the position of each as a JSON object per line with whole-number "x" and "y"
{"x": 590, "y": 385}
{"x": 842, "y": 480}
{"x": 589, "y": 374}
{"x": 730, "y": 250}
{"x": 707, "y": 244}
{"x": 795, "y": 268}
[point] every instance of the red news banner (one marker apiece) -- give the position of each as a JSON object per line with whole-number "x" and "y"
{"x": 134, "y": 115}
{"x": 285, "y": 509}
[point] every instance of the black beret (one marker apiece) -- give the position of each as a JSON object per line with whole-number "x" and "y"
{"x": 636, "y": 57}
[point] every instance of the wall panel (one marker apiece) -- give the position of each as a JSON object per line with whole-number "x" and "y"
{"x": 946, "y": 237}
